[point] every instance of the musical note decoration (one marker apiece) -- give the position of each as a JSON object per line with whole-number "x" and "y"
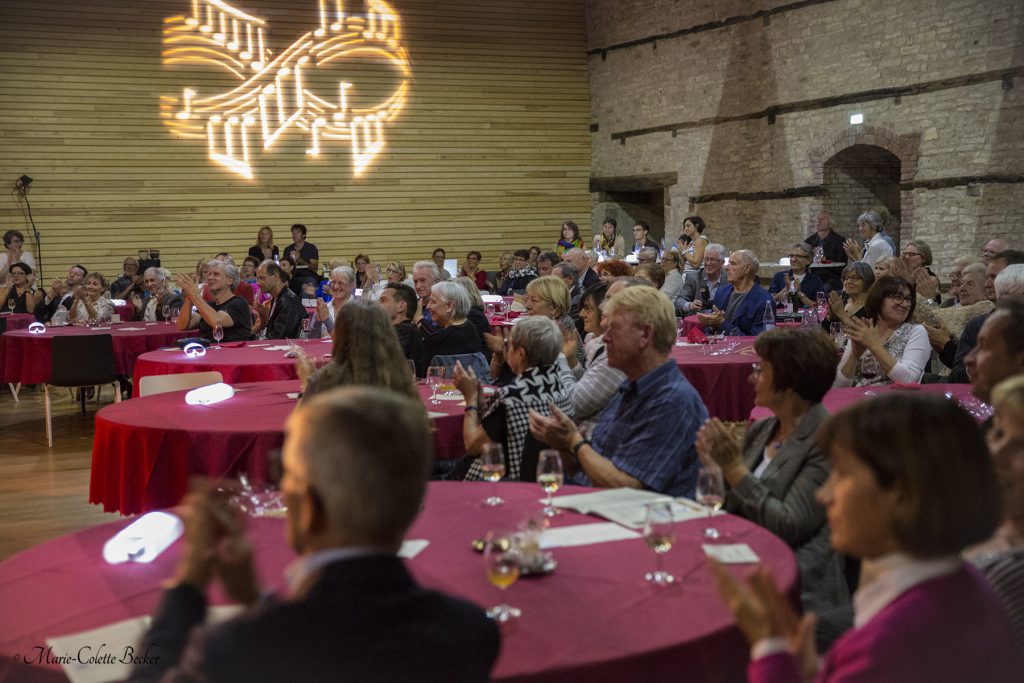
{"x": 273, "y": 96}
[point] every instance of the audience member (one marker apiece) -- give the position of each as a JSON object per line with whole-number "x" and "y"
{"x": 425, "y": 274}
{"x": 365, "y": 352}
{"x": 955, "y": 277}
{"x": 89, "y": 303}
{"x": 739, "y": 307}
{"x": 504, "y": 266}
{"x": 570, "y": 277}
{"x": 265, "y": 248}
{"x": 399, "y": 301}
{"x": 609, "y": 241}
{"x": 645, "y": 437}
{"x": 650, "y": 273}
{"x": 129, "y": 282}
{"x": 532, "y": 254}
{"x": 875, "y": 246}
{"x": 163, "y": 302}
{"x": 240, "y": 289}
{"x": 438, "y": 258}
{"x": 569, "y": 239}
{"x": 917, "y": 257}
{"x": 343, "y": 284}
{"x": 999, "y": 352}
{"x": 993, "y": 247}
{"x": 355, "y": 469}
{"x": 61, "y": 293}
{"x": 18, "y": 296}
{"x": 857, "y": 279}
{"x": 599, "y": 382}
{"x": 546, "y": 261}
{"x": 284, "y": 318}
{"x": 247, "y": 273}
{"x": 647, "y": 256}
{"x": 884, "y": 346}
{"x": 830, "y": 243}
{"x": 225, "y": 309}
{"x": 973, "y": 301}
{"x": 533, "y": 349}
{"x": 13, "y": 253}
{"x": 471, "y": 269}
{"x": 700, "y": 286}
{"x": 476, "y": 316}
{"x": 672, "y": 267}
{"x": 807, "y": 284}
{"x": 520, "y": 275}
{"x": 449, "y": 307}
{"x": 307, "y": 260}
{"x": 641, "y": 230}
{"x": 773, "y": 478}
{"x": 585, "y": 275}
{"x": 611, "y": 269}
{"x": 693, "y": 243}
{"x": 901, "y": 509}
{"x": 549, "y": 297}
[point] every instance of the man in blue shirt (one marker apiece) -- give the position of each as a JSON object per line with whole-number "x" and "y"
{"x": 645, "y": 436}
{"x": 740, "y": 306}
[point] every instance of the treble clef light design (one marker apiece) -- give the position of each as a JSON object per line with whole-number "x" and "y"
{"x": 273, "y": 96}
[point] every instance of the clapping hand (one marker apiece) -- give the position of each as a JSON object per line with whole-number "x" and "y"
{"x": 465, "y": 381}
{"x": 927, "y": 285}
{"x": 713, "y": 319}
{"x": 188, "y": 286}
{"x": 322, "y": 313}
{"x": 863, "y": 335}
{"x": 836, "y": 305}
{"x": 717, "y": 445}
{"x": 557, "y": 430}
{"x": 939, "y": 335}
{"x": 853, "y": 250}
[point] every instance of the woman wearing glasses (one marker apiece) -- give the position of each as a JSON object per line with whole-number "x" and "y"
{"x": 857, "y": 280}
{"x": 884, "y": 347}
{"x": 807, "y": 283}
{"x": 917, "y": 256}
{"x": 18, "y": 296}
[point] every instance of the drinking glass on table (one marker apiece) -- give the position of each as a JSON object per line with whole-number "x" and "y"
{"x": 412, "y": 368}
{"x": 659, "y": 535}
{"x": 11, "y": 303}
{"x": 550, "y": 478}
{"x": 492, "y": 463}
{"x": 822, "y": 301}
{"x": 435, "y": 376}
{"x": 502, "y": 560}
{"x": 218, "y": 334}
{"x": 710, "y": 494}
{"x": 166, "y": 310}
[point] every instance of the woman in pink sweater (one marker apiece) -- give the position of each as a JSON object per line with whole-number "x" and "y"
{"x": 911, "y": 486}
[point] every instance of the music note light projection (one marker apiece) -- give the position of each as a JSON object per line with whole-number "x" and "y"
{"x": 274, "y": 97}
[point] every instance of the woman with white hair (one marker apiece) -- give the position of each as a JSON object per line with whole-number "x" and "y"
{"x": 157, "y": 282}
{"x": 532, "y": 353}
{"x": 342, "y": 284}
{"x": 875, "y": 247}
{"x": 449, "y": 307}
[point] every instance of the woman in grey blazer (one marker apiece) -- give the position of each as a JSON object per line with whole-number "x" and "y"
{"x": 773, "y": 478}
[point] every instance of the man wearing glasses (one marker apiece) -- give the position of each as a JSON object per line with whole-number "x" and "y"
{"x": 701, "y": 285}
{"x": 807, "y": 283}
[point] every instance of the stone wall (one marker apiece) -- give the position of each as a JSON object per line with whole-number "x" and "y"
{"x": 747, "y": 101}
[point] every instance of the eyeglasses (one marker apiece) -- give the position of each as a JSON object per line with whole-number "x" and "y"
{"x": 712, "y": 259}
{"x": 900, "y": 298}
{"x": 851, "y": 278}
{"x": 394, "y": 271}
{"x": 793, "y": 256}
{"x": 911, "y": 253}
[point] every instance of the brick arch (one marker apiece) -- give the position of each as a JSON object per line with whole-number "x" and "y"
{"x": 906, "y": 148}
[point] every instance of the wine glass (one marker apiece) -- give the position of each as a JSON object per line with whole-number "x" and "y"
{"x": 550, "y": 477}
{"x": 659, "y": 535}
{"x": 502, "y": 560}
{"x": 822, "y": 301}
{"x": 218, "y": 334}
{"x": 710, "y": 494}
{"x": 166, "y": 310}
{"x": 492, "y": 463}
{"x": 10, "y": 305}
{"x": 412, "y": 368}
{"x": 435, "y": 376}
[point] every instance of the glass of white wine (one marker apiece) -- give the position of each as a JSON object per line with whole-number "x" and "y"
{"x": 502, "y": 561}
{"x": 550, "y": 478}
{"x": 492, "y": 463}
{"x": 711, "y": 494}
{"x": 660, "y": 535}
{"x": 218, "y": 334}
{"x": 435, "y": 376}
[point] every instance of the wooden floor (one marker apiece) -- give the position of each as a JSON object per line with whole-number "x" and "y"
{"x": 44, "y": 493}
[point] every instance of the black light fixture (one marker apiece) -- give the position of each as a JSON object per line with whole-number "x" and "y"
{"x": 23, "y": 182}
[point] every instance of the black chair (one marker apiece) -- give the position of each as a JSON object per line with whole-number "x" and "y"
{"x": 80, "y": 361}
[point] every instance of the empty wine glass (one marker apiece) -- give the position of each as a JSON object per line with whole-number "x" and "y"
{"x": 710, "y": 494}
{"x": 412, "y": 368}
{"x": 218, "y": 334}
{"x": 166, "y": 310}
{"x": 492, "y": 464}
{"x": 659, "y": 535}
{"x": 502, "y": 561}
{"x": 435, "y": 376}
{"x": 550, "y": 478}
{"x": 11, "y": 303}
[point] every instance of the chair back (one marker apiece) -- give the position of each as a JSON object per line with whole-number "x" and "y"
{"x": 3, "y": 324}
{"x": 161, "y": 384}
{"x": 477, "y": 361}
{"x": 82, "y": 361}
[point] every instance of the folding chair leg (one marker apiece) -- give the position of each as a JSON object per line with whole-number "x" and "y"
{"x": 15, "y": 390}
{"x": 49, "y": 425}
{"x": 117, "y": 391}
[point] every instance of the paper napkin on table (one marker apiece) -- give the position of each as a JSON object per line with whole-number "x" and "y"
{"x": 412, "y": 547}
{"x": 731, "y": 553}
{"x": 584, "y": 534}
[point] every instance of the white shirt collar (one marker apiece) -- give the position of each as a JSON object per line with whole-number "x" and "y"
{"x": 877, "y": 237}
{"x": 894, "y": 575}
{"x": 298, "y": 573}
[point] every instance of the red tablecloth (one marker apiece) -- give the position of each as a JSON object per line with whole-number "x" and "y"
{"x": 249, "y": 362}
{"x": 593, "y": 619}
{"x": 145, "y": 450}
{"x": 691, "y": 322}
{"x": 125, "y": 310}
{"x": 837, "y": 399}
{"x": 721, "y": 380}
{"x": 17, "y": 321}
{"x": 25, "y": 357}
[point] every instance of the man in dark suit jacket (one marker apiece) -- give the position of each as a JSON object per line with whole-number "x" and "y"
{"x": 740, "y": 306}
{"x": 701, "y": 285}
{"x": 61, "y": 293}
{"x": 355, "y": 466}
{"x": 585, "y": 275}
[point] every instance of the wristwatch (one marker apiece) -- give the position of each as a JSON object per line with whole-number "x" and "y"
{"x": 584, "y": 441}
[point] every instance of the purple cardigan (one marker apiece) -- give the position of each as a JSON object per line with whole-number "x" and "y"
{"x": 949, "y": 628}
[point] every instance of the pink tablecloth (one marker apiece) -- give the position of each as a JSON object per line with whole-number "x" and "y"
{"x": 593, "y": 619}
{"x": 125, "y": 310}
{"x": 25, "y": 357}
{"x": 17, "y": 321}
{"x": 721, "y": 380}
{"x": 837, "y": 399}
{"x": 238, "y": 362}
{"x": 145, "y": 450}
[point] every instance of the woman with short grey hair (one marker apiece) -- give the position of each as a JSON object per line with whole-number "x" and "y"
{"x": 875, "y": 247}
{"x": 532, "y": 352}
{"x": 163, "y": 302}
{"x": 449, "y": 307}
{"x": 341, "y": 285}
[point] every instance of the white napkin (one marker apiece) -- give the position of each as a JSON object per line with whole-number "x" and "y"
{"x": 412, "y": 548}
{"x": 731, "y": 553}
{"x": 584, "y": 534}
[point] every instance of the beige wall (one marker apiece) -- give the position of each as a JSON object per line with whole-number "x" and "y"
{"x": 491, "y": 150}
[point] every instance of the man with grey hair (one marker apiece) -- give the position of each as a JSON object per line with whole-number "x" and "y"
{"x": 425, "y": 274}
{"x": 740, "y": 306}
{"x": 645, "y": 437}
{"x": 992, "y": 247}
{"x": 875, "y": 246}
{"x": 355, "y": 463}
{"x": 585, "y": 275}
{"x": 225, "y": 309}
{"x": 647, "y": 255}
{"x": 546, "y": 262}
{"x": 282, "y": 318}
{"x": 830, "y": 243}
{"x": 700, "y": 286}
{"x": 570, "y": 277}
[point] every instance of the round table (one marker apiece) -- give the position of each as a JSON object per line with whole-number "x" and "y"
{"x": 17, "y": 321}
{"x": 592, "y": 619}
{"x": 126, "y": 310}
{"x": 252, "y": 361}
{"x": 720, "y": 379}
{"x": 144, "y": 450}
{"x": 837, "y": 399}
{"x": 25, "y": 357}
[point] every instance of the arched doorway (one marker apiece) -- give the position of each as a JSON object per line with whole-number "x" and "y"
{"x": 862, "y": 177}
